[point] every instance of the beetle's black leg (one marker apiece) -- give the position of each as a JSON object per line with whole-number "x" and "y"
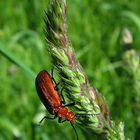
{"x": 61, "y": 96}
{"x": 53, "y": 77}
{"x": 71, "y": 104}
{"x": 60, "y": 120}
{"x": 48, "y": 118}
{"x": 56, "y": 84}
{"x": 85, "y": 115}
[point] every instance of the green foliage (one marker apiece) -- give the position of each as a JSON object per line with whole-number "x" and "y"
{"x": 94, "y": 28}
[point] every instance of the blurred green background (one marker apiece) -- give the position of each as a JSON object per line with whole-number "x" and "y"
{"x": 94, "y": 28}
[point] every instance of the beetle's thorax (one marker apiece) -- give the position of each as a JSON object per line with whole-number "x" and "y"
{"x": 63, "y": 112}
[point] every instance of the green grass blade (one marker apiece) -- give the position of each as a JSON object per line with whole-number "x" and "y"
{"x": 7, "y": 54}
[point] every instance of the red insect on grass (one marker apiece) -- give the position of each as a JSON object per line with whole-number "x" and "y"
{"x": 51, "y": 100}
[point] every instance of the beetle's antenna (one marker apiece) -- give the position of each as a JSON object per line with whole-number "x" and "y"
{"x": 75, "y": 131}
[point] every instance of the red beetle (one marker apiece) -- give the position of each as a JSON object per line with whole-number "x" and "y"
{"x": 51, "y": 100}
